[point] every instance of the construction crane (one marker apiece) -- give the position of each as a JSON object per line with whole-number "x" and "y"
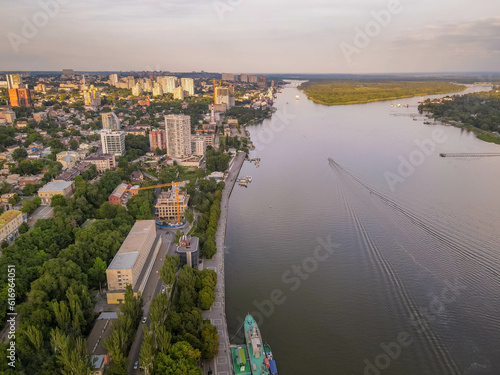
{"x": 176, "y": 184}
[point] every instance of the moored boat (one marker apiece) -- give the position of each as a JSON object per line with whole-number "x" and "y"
{"x": 260, "y": 363}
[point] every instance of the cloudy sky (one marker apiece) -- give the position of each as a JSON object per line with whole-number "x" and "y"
{"x": 273, "y": 36}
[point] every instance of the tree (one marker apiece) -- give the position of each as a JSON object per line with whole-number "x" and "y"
{"x": 182, "y": 359}
{"x": 58, "y": 200}
{"x": 98, "y": 271}
{"x": 148, "y": 350}
{"x": 207, "y": 298}
{"x": 19, "y": 154}
{"x": 23, "y": 228}
{"x": 188, "y": 214}
{"x": 14, "y": 199}
{"x": 209, "y": 340}
{"x": 168, "y": 270}
{"x": 73, "y": 144}
{"x": 30, "y": 189}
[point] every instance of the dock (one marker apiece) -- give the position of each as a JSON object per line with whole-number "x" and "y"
{"x": 222, "y": 364}
{"x": 468, "y": 154}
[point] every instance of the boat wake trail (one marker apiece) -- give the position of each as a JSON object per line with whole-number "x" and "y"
{"x": 407, "y": 305}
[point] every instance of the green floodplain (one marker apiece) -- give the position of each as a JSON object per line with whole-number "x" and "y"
{"x": 333, "y": 92}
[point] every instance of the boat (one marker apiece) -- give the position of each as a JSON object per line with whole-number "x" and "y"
{"x": 261, "y": 362}
{"x": 269, "y": 356}
{"x": 240, "y": 363}
{"x": 297, "y": 97}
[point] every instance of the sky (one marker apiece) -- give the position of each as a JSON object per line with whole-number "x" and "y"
{"x": 251, "y": 36}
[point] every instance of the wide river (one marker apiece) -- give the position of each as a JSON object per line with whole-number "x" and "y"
{"x": 385, "y": 260}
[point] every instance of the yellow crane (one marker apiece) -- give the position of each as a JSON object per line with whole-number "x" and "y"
{"x": 176, "y": 184}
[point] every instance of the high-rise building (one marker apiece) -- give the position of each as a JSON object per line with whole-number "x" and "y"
{"x": 110, "y": 121}
{"x": 178, "y": 135}
{"x": 20, "y": 97}
{"x": 113, "y": 142}
{"x": 170, "y": 84}
{"x": 244, "y": 77}
{"x": 252, "y": 79}
{"x": 179, "y": 93}
{"x": 137, "y": 90}
{"x": 261, "y": 81}
{"x": 113, "y": 79}
{"x": 157, "y": 90}
{"x": 13, "y": 81}
{"x": 68, "y": 73}
{"x": 188, "y": 86}
{"x": 157, "y": 140}
{"x": 228, "y": 77}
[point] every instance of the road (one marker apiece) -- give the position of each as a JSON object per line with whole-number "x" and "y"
{"x": 42, "y": 212}
{"x": 221, "y": 365}
{"x": 154, "y": 286}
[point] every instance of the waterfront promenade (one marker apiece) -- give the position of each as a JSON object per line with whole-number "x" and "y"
{"x": 221, "y": 364}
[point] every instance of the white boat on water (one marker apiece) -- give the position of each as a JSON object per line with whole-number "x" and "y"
{"x": 297, "y": 97}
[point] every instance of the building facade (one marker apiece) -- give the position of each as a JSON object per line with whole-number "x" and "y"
{"x": 188, "y": 86}
{"x": 64, "y": 188}
{"x": 20, "y": 97}
{"x": 10, "y": 222}
{"x": 102, "y": 162}
{"x": 189, "y": 252}
{"x": 157, "y": 140}
{"x": 120, "y": 195}
{"x": 131, "y": 262}
{"x": 113, "y": 142}
{"x": 198, "y": 145}
{"x": 179, "y": 93}
{"x": 178, "y": 135}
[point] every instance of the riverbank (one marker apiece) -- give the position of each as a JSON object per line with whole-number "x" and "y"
{"x": 217, "y": 313}
{"x": 362, "y": 92}
{"x": 483, "y": 135}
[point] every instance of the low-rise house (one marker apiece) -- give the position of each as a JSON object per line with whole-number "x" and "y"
{"x": 64, "y": 188}
{"x": 120, "y": 195}
{"x": 103, "y": 162}
{"x": 137, "y": 177}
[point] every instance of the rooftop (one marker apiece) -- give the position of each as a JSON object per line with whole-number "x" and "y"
{"x": 8, "y": 216}
{"x": 129, "y": 251}
{"x": 56, "y": 186}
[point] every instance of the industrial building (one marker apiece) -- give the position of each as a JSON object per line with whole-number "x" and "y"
{"x": 132, "y": 263}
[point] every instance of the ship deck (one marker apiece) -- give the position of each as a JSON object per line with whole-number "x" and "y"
{"x": 259, "y": 362}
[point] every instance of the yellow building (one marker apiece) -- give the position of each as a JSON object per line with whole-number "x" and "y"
{"x": 132, "y": 263}
{"x": 9, "y": 225}
{"x": 64, "y": 188}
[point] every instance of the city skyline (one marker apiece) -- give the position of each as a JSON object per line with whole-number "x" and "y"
{"x": 237, "y": 36}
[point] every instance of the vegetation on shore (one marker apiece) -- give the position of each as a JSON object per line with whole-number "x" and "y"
{"x": 356, "y": 92}
{"x": 477, "y": 112}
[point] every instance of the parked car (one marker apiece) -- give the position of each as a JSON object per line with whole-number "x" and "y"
{"x": 144, "y": 319}
{"x": 136, "y": 365}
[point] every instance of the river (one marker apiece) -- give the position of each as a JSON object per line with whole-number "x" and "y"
{"x": 385, "y": 260}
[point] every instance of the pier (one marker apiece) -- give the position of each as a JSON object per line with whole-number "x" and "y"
{"x": 468, "y": 154}
{"x": 222, "y": 363}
